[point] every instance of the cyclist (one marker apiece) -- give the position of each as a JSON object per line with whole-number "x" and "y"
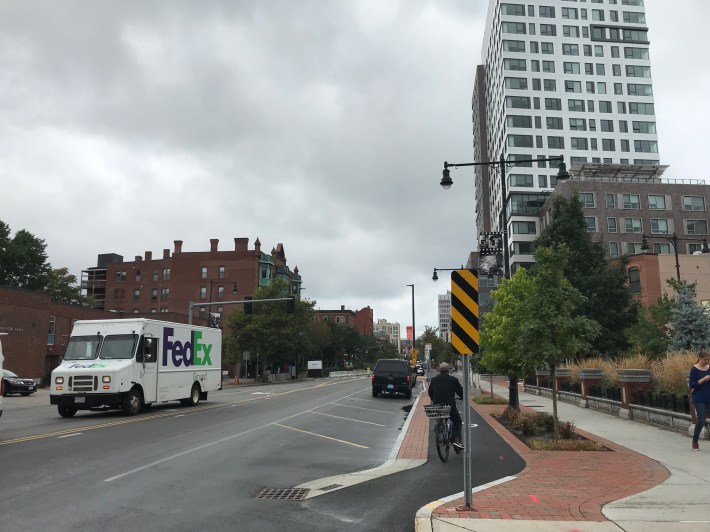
{"x": 443, "y": 390}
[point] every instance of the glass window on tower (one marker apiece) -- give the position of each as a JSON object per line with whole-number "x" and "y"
{"x": 614, "y": 250}
{"x": 696, "y": 227}
{"x": 656, "y": 202}
{"x": 586, "y": 199}
{"x": 659, "y": 226}
{"x": 693, "y": 203}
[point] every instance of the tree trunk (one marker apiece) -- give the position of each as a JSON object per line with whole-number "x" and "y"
{"x": 555, "y": 423}
{"x": 513, "y": 392}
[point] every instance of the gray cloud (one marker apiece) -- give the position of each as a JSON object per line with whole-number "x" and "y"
{"x": 321, "y": 125}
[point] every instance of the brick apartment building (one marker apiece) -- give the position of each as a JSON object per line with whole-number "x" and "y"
{"x": 148, "y": 286}
{"x": 625, "y": 204}
{"x": 360, "y": 319}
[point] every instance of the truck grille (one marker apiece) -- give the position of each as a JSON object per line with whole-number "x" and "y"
{"x": 83, "y": 383}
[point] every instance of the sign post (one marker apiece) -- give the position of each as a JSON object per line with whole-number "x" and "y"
{"x": 465, "y": 340}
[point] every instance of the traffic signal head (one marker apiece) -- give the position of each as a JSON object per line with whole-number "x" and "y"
{"x": 247, "y": 306}
{"x": 291, "y": 305}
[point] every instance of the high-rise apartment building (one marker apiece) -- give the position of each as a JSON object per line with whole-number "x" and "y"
{"x": 389, "y": 330}
{"x": 445, "y": 316}
{"x": 558, "y": 77}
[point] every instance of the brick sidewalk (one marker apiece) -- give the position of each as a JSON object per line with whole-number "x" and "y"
{"x": 556, "y": 485}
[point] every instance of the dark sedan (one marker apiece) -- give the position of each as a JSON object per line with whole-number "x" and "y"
{"x": 14, "y": 384}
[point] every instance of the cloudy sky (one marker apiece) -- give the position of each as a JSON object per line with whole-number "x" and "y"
{"x": 319, "y": 124}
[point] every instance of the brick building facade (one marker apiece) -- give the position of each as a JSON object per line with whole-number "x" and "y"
{"x": 37, "y": 330}
{"x": 152, "y": 287}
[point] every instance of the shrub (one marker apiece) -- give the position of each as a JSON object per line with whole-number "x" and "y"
{"x": 544, "y": 420}
{"x": 510, "y": 414}
{"x": 566, "y": 429}
{"x": 526, "y": 424}
{"x": 537, "y": 444}
{"x": 669, "y": 373}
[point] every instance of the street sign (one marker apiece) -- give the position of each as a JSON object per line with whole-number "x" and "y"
{"x": 464, "y": 311}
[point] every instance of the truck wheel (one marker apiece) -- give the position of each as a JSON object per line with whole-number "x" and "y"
{"x": 194, "y": 399}
{"x": 132, "y": 403}
{"x": 66, "y": 411}
{"x": 408, "y": 395}
{"x": 375, "y": 393}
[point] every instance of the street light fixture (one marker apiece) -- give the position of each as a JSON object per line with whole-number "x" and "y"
{"x": 435, "y": 277}
{"x": 501, "y": 166}
{"x": 674, "y": 242}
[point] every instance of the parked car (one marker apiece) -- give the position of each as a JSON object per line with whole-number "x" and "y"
{"x": 392, "y": 375}
{"x": 420, "y": 369}
{"x": 11, "y": 383}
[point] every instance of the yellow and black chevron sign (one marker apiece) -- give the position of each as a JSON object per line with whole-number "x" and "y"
{"x": 464, "y": 311}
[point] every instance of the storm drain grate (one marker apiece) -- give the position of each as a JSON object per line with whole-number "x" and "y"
{"x": 282, "y": 494}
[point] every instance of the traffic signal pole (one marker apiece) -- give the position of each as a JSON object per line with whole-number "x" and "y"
{"x": 290, "y": 307}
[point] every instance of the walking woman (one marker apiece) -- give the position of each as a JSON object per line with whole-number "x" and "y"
{"x": 699, "y": 383}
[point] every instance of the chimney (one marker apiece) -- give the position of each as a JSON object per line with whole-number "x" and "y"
{"x": 257, "y": 245}
{"x": 213, "y": 245}
{"x": 342, "y": 307}
{"x": 178, "y": 246}
{"x": 148, "y": 255}
{"x": 138, "y": 258}
{"x": 241, "y": 244}
{"x": 166, "y": 253}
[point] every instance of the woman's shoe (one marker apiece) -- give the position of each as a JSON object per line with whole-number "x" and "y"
{"x": 695, "y": 446}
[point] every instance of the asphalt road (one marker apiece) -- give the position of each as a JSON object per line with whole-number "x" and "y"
{"x": 179, "y": 468}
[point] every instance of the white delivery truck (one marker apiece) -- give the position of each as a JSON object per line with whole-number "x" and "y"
{"x": 131, "y": 363}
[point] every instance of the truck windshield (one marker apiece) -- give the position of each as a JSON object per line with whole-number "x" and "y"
{"x": 83, "y": 347}
{"x": 119, "y": 346}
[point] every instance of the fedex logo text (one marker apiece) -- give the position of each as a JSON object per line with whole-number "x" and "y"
{"x": 192, "y": 353}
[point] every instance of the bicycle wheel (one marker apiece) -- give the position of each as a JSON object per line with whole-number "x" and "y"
{"x": 442, "y": 440}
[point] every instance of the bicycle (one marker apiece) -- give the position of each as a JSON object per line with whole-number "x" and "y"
{"x": 443, "y": 428}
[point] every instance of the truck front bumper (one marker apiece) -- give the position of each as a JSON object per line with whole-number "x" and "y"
{"x": 88, "y": 401}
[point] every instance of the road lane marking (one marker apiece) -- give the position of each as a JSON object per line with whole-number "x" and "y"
{"x": 188, "y": 451}
{"x": 347, "y": 418}
{"x": 368, "y": 409}
{"x": 322, "y": 436}
{"x": 69, "y": 435}
{"x": 166, "y": 413}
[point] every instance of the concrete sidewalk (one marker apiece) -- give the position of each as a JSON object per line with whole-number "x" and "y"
{"x": 652, "y": 481}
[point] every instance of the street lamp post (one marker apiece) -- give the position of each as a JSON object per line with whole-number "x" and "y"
{"x": 674, "y": 242}
{"x": 414, "y": 333}
{"x": 502, "y": 165}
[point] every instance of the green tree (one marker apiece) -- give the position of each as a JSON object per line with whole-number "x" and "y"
{"x": 501, "y": 336}
{"x": 691, "y": 326}
{"x": 62, "y": 288}
{"x": 441, "y": 351}
{"x": 604, "y": 284}
{"x": 270, "y": 331}
{"x": 23, "y": 264}
{"x": 651, "y": 335}
{"x": 23, "y": 260}
{"x": 553, "y": 329}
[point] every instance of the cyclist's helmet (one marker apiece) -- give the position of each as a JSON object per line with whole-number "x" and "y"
{"x": 444, "y": 367}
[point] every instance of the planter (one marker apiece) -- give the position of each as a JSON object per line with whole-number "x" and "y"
{"x": 591, "y": 373}
{"x": 588, "y": 377}
{"x": 633, "y": 382}
{"x": 634, "y": 375}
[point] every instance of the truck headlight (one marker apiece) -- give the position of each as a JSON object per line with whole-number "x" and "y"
{"x": 106, "y": 379}
{"x": 58, "y": 380}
